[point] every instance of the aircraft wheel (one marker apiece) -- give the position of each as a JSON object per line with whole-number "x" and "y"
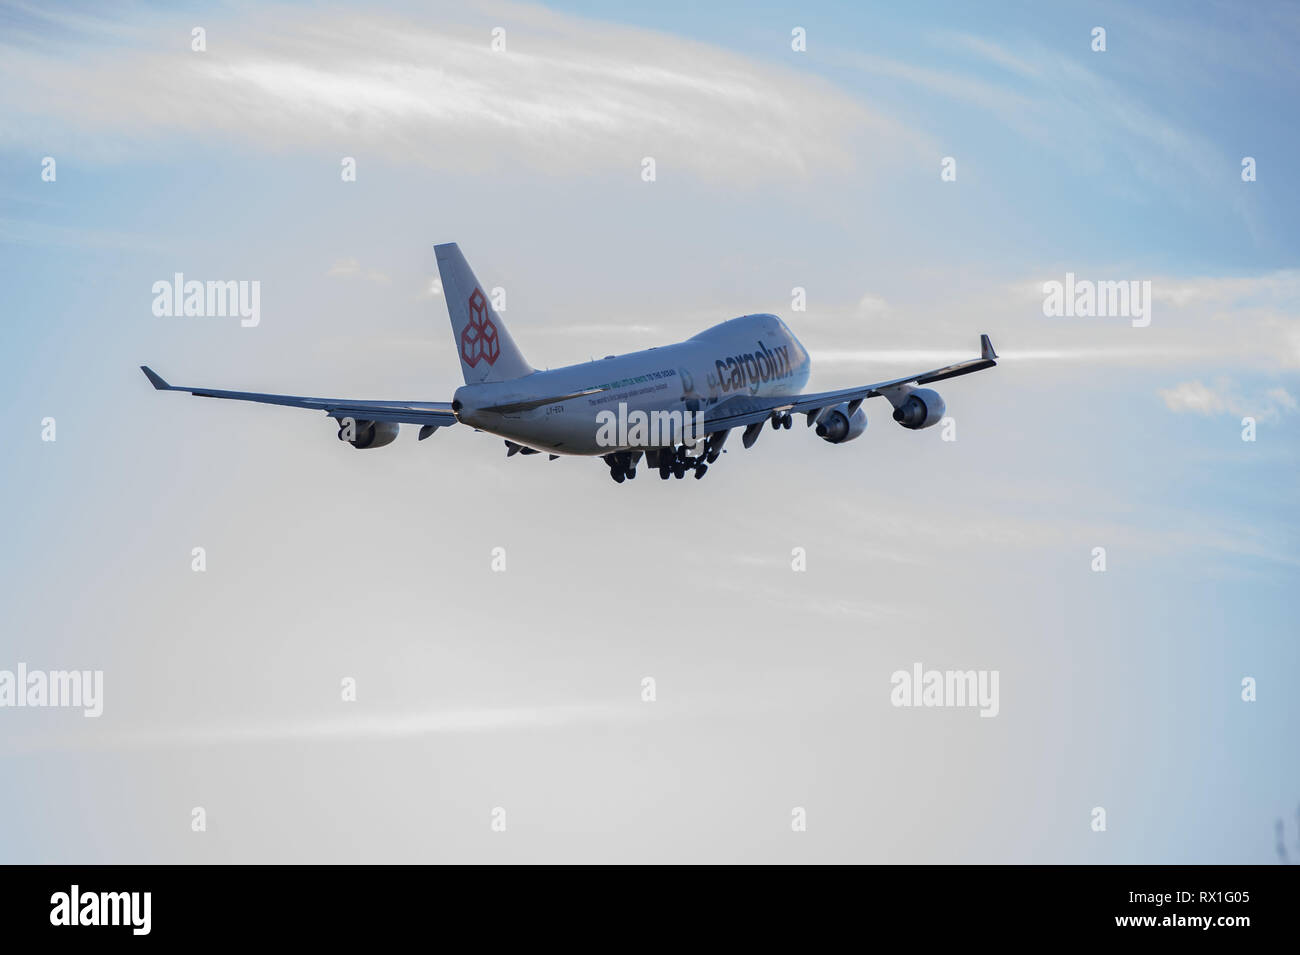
{"x": 699, "y": 471}
{"x": 617, "y": 476}
{"x": 788, "y": 422}
{"x": 664, "y": 471}
{"x": 679, "y": 472}
{"x": 631, "y": 473}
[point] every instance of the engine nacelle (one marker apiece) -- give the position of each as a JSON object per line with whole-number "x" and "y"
{"x": 837, "y": 425}
{"x": 920, "y": 409}
{"x": 367, "y": 434}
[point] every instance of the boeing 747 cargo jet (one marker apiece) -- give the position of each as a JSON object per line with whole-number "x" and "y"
{"x": 674, "y": 405}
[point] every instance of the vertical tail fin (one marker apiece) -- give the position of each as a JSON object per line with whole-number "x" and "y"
{"x": 487, "y": 352}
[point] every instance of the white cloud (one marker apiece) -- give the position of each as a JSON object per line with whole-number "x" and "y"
{"x": 351, "y": 269}
{"x": 1049, "y": 99}
{"x": 358, "y": 726}
{"x": 1223, "y": 398}
{"x": 567, "y": 95}
{"x": 1282, "y": 398}
{"x": 1248, "y": 322}
{"x": 1193, "y": 396}
{"x": 990, "y": 51}
{"x": 871, "y": 306}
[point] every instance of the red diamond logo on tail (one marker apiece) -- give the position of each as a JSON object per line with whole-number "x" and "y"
{"x": 478, "y": 341}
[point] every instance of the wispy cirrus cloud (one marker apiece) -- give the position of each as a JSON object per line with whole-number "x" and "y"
{"x": 419, "y": 86}
{"x": 368, "y": 726}
{"x": 1048, "y": 98}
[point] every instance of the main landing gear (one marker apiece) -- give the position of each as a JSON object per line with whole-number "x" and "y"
{"x": 670, "y": 462}
{"x": 622, "y": 465}
{"x": 677, "y": 461}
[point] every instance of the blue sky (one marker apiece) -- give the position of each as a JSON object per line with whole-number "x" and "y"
{"x": 776, "y": 169}
{"x": 1207, "y": 76}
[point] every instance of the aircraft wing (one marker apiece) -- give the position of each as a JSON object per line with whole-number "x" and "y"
{"x": 436, "y": 413}
{"x": 744, "y": 410}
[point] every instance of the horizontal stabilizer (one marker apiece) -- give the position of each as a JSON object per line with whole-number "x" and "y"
{"x": 514, "y": 407}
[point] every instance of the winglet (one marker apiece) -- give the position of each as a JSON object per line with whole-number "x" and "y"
{"x": 155, "y": 379}
{"x": 986, "y": 349}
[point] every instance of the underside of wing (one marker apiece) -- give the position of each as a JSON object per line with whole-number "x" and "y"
{"x": 435, "y": 413}
{"x": 745, "y": 411}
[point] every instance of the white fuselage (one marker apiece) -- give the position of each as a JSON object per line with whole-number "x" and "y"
{"x": 754, "y": 355}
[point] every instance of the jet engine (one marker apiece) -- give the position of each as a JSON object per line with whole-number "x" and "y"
{"x": 920, "y": 409}
{"x": 367, "y": 434}
{"x": 838, "y": 425}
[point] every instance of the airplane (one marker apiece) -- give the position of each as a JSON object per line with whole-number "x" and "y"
{"x": 674, "y": 405}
